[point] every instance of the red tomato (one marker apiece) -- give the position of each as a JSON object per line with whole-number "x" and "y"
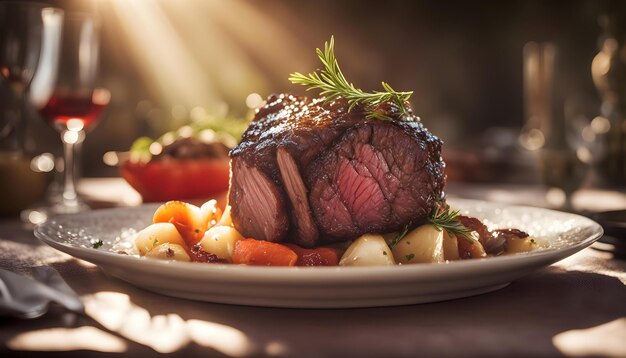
{"x": 172, "y": 179}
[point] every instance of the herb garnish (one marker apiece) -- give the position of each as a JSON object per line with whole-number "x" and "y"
{"x": 333, "y": 84}
{"x": 399, "y": 236}
{"x": 98, "y": 244}
{"x": 444, "y": 218}
{"x": 409, "y": 257}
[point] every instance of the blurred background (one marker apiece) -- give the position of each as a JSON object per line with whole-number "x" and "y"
{"x": 508, "y": 86}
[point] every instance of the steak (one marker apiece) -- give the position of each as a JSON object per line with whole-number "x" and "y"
{"x": 312, "y": 172}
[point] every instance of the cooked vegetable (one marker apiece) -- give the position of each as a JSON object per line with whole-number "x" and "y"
{"x": 177, "y": 226}
{"x": 169, "y": 251}
{"x": 321, "y": 256}
{"x": 226, "y": 219}
{"x": 450, "y": 246}
{"x": 157, "y": 234}
{"x": 368, "y": 250}
{"x": 211, "y": 213}
{"x": 187, "y": 218}
{"x": 263, "y": 253}
{"x": 444, "y": 218}
{"x": 423, "y": 244}
{"x": 471, "y": 248}
{"x": 220, "y": 241}
{"x": 516, "y": 245}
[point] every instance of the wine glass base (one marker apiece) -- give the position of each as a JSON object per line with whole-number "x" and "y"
{"x": 39, "y": 214}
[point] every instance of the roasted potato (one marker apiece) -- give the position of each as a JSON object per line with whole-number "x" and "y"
{"x": 368, "y": 250}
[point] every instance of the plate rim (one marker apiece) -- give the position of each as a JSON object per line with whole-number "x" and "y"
{"x": 341, "y": 273}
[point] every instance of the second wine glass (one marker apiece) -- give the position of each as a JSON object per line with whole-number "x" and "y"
{"x": 70, "y": 101}
{"x": 26, "y": 29}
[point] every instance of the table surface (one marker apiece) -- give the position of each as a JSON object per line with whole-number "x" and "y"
{"x": 575, "y": 307}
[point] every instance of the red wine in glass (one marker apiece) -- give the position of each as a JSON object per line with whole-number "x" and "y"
{"x": 69, "y": 99}
{"x": 64, "y": 107}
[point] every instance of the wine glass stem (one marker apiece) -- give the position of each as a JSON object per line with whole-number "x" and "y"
{"x": 70, "y": 140}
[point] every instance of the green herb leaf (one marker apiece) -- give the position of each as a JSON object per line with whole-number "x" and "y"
{"x": 409, "y": 257}
{"x": 399, "y": 236}
{"x": 333, "y": 84}
{"x": 98, "y": 244}
{"x": 444, "y": 218}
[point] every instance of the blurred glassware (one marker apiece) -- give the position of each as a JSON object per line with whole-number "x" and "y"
{"x": 22, "y": 181}
{"x": 563, "y": 172}
{"x": 549, "y": 131}
{"x": 26, "y": 30}
{"x": 66, "y": 95}
{"x": 538, "y": 92}
{"x": 608, "y": 70}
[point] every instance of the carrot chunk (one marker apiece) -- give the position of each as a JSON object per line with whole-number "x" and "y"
{"x": 263, "y": 253}
{"x": 321, "y": 256}
{"x": 187, "y": 219}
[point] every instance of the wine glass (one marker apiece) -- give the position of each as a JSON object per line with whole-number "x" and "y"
{"x": 563, "y": 172}
{"x": 70, "y": 101}
{"x": 25, "y": 30}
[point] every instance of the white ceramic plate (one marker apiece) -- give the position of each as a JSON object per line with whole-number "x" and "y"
{"x": 561, "y": 234}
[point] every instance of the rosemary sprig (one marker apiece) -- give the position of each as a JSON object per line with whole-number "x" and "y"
{"x": 333, "y": 84}
{"x": 444, "y": 218}
{"x": 399, "y": 236}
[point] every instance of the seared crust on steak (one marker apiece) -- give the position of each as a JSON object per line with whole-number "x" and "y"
{"x": 328, "y": 174}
